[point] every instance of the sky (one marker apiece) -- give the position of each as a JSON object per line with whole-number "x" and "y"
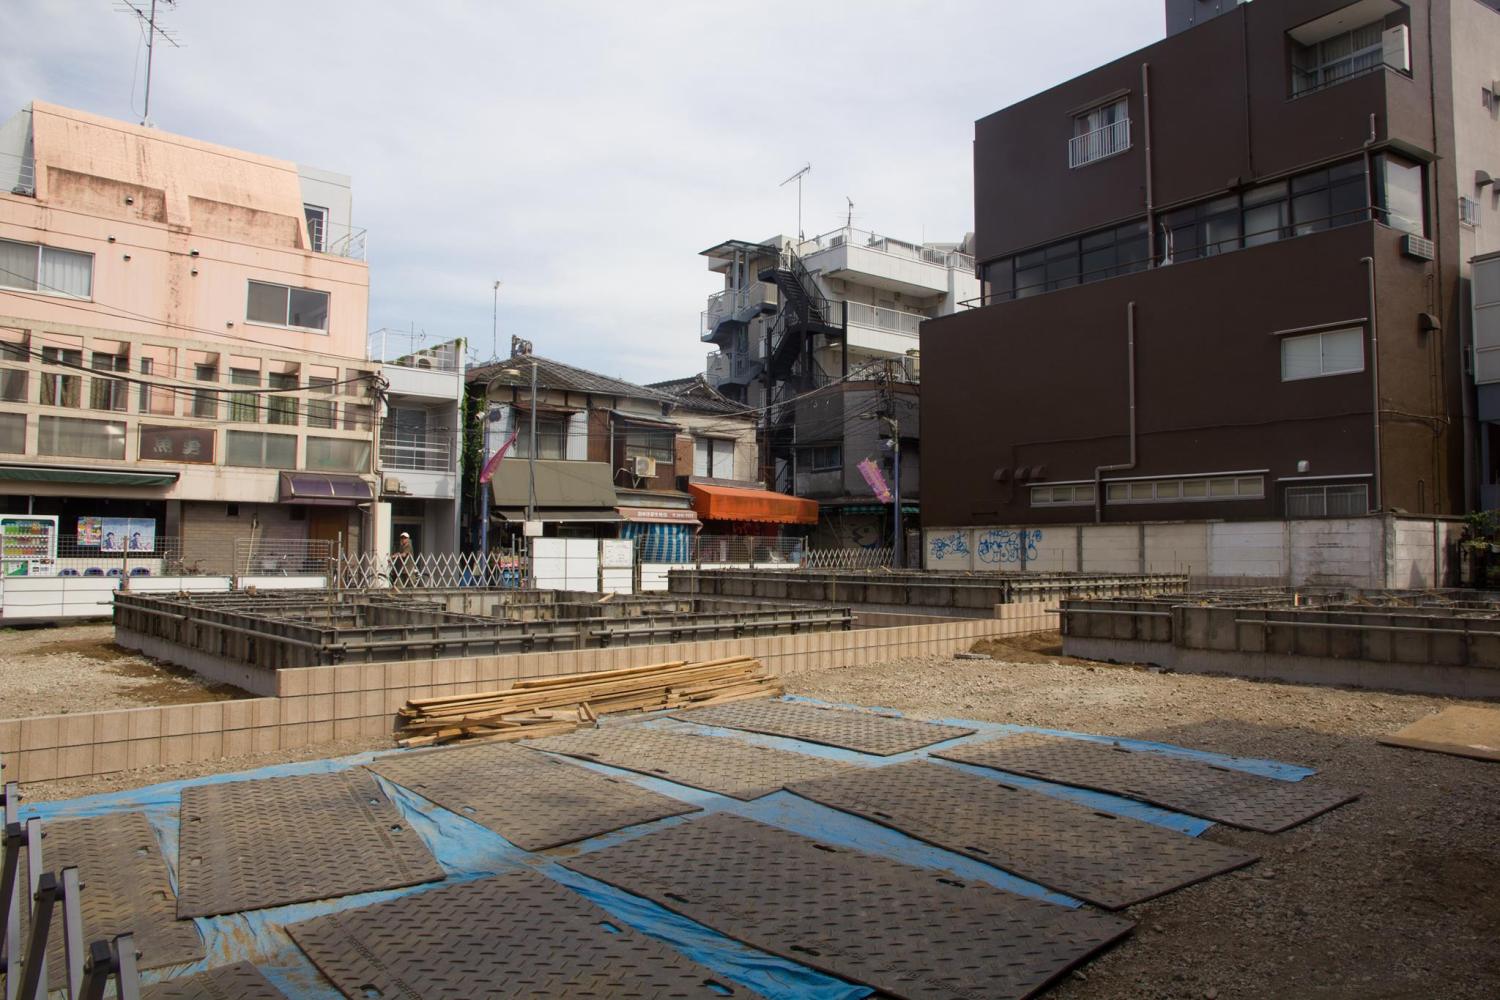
{"x": 582, "y": 153}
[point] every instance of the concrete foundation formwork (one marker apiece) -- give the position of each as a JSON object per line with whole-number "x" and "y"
{"x": 1429, "y": 642}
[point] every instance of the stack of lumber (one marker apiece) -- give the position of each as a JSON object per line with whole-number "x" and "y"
{"x": 553, "y": 705}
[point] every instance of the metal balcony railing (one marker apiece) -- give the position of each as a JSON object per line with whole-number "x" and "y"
{"x": 415, "y": 452}
{"x": 336, "y": 239}
{"x": 1101, "y": 142}
{"x": 414, "y": 350}
{"x": 732, "y": 302}
{"x": 864, "y": 239}
{"x": 18, "y": 174}
{"x": 881, "y": 318}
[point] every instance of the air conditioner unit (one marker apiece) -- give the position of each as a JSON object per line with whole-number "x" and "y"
{"x": 645, "y": 467}
{"x": 393, "y": 485}
{"x": 1395, "y": 48}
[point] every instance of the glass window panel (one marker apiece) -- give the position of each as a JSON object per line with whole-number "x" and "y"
{"x": 1221, "y": 228}
{"x": 260, "y": 451}
{"x": 1301, "y": 357}
{"x": 1098, "y": 264}
{"x": 1313, "y": 180}
{"x": 67, "y": 272}
{"x": 281, "y": 409}
{"x": 1343, "y": 351}
{"x": 1250, "y": 486}
{"x": 1194, "y": 488}
{"x": 73, "y": 438}
{"x": 18, "y": 265}
{"x": 244, "y": 406}
{"x": 1041, "y": 494}
{"x": 12, "y": 433}
{"x": 1403, "y": 196}
{"x": 1221, "y": 487}
{"x": 58, "y": 387}
{"x": 308, "y": 309}
{"x": 206, "y": 402}
{"x": 1170, "y": 489}
{"x": 13, "y": 381}
{"x": 267, "y": 303}
{"x": 1142, "y": 491}
{"x": 321, "y": 412}
{"x": 108, "y": 393}
{"x": 338, "y": 454}
{"x": 1083, "y": 494}
{"x": 1002, "y": 278}
{"x": 1117, "y": 491}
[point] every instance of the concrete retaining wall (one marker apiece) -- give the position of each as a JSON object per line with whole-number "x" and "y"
{"x": 315, "y": 705}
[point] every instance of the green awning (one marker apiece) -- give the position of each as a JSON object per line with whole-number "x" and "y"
{"x": 89, "y": 477}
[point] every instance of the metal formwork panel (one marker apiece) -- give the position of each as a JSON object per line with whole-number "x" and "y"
{"x": 126, "y": 889}
{"x": 1107, "y": 860}
{"x": 1189, "y": 786}
{"x": 513, "y": 935}
{"x": 240, "y": 981}
{"x": 532, "y": 800}
{"x": 713, "y": 763}
{"x": 866, "y": 732}
{"x": 246, "y": 845}
{"x": 905, "y": 931}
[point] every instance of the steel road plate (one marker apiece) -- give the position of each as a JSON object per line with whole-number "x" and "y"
{"x": 246, "y": 845}
{"x": 1108, "y": 860}
{"x": 240, "y": 981}
{"x": 907, "y": 932}
{"x": 513, "y": 935}
{"x": 866, "y": 732}
{"x": 532, "y": 800}
{"x": 1188, "y": 786}
{"x": 713, "y": 763}
{"x": 125, "y": 889}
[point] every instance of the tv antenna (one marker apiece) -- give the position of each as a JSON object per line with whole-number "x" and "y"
{"x": 147, "y": 16}
{"x": 798, "y": 178}
{"x": 849, "y": 218}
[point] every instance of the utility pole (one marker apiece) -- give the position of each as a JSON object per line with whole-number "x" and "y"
{"x": 495, "y": 324}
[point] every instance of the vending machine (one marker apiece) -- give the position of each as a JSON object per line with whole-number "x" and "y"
{"x": 28, "y": 544}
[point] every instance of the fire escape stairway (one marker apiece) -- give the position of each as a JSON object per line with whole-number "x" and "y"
{"x": 804, "y": 312}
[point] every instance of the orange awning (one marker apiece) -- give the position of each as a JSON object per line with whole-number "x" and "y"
{"x": 730, "y": 503}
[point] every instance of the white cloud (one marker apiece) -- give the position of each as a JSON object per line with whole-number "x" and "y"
{"x": 583, "y": 152}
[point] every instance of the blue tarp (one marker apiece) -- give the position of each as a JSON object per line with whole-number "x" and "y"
{"x": 467, "y": 850}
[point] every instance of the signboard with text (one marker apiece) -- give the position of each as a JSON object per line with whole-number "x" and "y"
{"x": 177, "y": 444}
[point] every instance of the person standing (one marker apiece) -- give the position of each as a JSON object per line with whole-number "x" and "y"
{"x": 403, "y": 564}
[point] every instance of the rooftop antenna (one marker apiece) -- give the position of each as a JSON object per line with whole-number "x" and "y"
{"x": 798, "y": 178}
{"x": 146, "y": 15}
{"x": 849, "y": 218}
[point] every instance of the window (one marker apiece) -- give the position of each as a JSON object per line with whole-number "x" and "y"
{"x": 280, "y": 305}
{"x": 1323, "y": 199}
{"x": 652, "y": 443}
{"x": 1468, "y": 211}
{"x": 1100, "y": 132}
{"x": 12, "y": 433}
{"x": 551, "y": 436}
{"x": 1202, "y": 230}
{"x": 260, "y": 451}
{"x": 338, "y": 454}
{"x": 59, "y": 388}
{"x": 1327, "y": 501}
{"x": 1191, "y": 489}
{"x": 1266, "y": 214}
{"x": 713, "y": 458}
{"x": 206, "y": 401}
{"x": 317, "y": 227}
{"x": 13, "y": 381}
{"x": 1332, "y": 60}
{"x": 108, "y": 393}
{"x": 1401, "y": 194}
{"x": 1487, "y": 99}
{"x": 243, "y": 408}
{"x": 1067, "y": 495}
{"x": 1102, "y": 254}
{"x": 321, "y": 412}
{"x": 145, "y": 390}
{"x": 71, "y": 438}
{"x": 822, "y": 458}
{"x": 35, "y": 268}
{"x": 1314, "y": 355}
{"x": 281, "y": 409}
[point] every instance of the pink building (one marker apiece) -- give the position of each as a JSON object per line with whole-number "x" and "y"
{"x": 182, "y": 339}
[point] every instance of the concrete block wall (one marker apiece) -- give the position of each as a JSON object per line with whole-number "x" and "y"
{"x": 317, "y": 705}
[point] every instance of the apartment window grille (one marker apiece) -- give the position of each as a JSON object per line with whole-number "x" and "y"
{"x": 1066, "y": 495}
{"x": 1487, "y": 99}
{"x": 60, "y": 388}
{"x": 1192, "y": 489}
{"x": 1327, "y": 501}
{"x": 822, "y": 458}
{"x": 281, "y": 409}
{"x": 1468, "y": 211}
{"x": 713, "y": 457}
{"x": 13, "y": 433}
{"x": 321, "y": 412}
{"x": 260, "y": 451}
{"x": 244, "y": 407}
{"x": 338, "y": 454}
{"x": 1401, "y": 194}
{"x": 657, "y": 444}
{"x": 206, "y": 402}
{"x": 317, "y": 227}
{"x": 68, "y": 437}
{"x": 1337, "y": 58}
{"x": 282, "y": 305}
{"x": 31, "y": 267}
{"x": 14, "y": 381}
{"x": 1316, "y": 355}
{"x": 1100, "y": 132}
{"x": 108, "y": 393}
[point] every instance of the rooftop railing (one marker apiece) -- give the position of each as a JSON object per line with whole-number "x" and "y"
{"x": 336, "y": 239}
{"x": 18, "y": 174}
{"x": 864, "y": 239}
{"x": 414, "y": 350}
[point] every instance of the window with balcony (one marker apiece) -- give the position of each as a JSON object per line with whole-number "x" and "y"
{"x": 31, "y": 267}
{"x": 1100, "y": 132}
{"x": 1316, "y": 355}
{"x": 68, "y": 437}
{"x": 408, "y": 441}
{"x": 1336, "y": 58}
{"x": 282, "y": 305}
{"x": 260, "y": 451}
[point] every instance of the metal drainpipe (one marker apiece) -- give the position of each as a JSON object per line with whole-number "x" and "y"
{"x": 1150, "y": 187}
{"x": 1378, "y": 498}
{"x": 1130, "y": 374}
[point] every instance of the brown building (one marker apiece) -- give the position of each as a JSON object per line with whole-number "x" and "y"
{"x": 1223, "y": 276}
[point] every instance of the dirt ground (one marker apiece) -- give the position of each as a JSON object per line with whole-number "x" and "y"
{"x": 78, "y": 668}
{"x": 1393, "y": 897}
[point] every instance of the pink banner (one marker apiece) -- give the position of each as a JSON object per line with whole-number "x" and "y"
{"x": 875, "y": 479}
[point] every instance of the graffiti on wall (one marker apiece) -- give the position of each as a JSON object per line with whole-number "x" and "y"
{"x": 947, "y": 546}
{"x": 1006, "y": 545}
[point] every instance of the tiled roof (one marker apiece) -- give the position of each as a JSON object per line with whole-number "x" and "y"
{"x": 556, "y": 375}
{"x": 695, "y": 394}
